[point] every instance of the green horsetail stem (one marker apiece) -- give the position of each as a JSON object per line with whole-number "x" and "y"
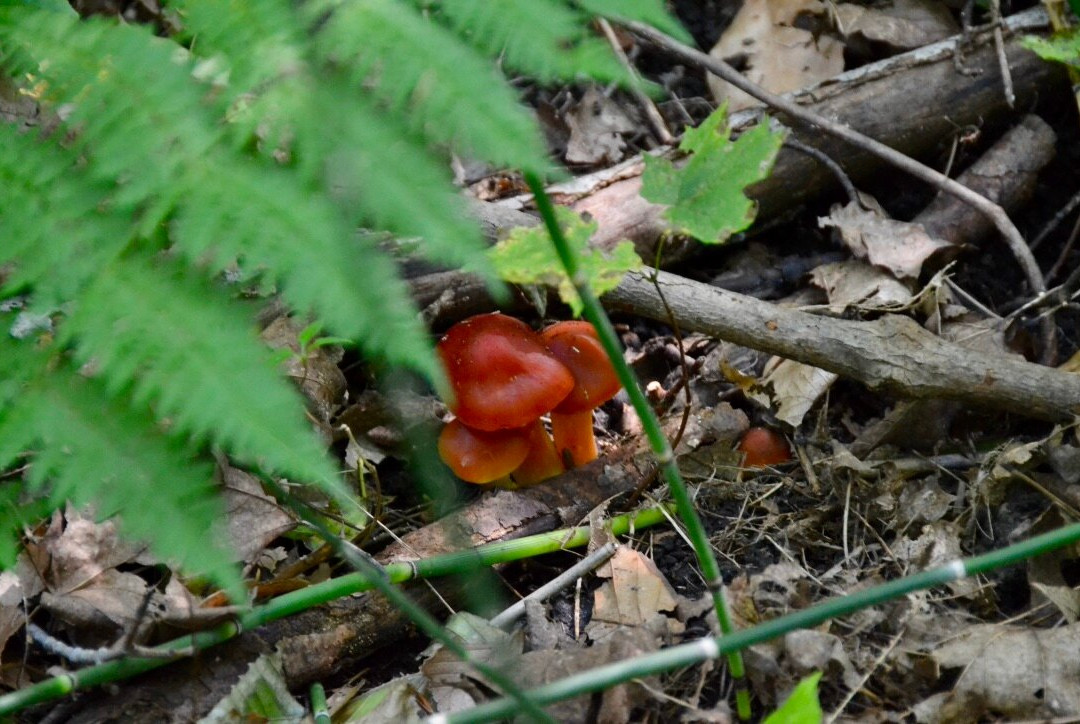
{"x": 306, "y": 598}
{"x": 695, "y": 652}
{"x": 699, "y": 539}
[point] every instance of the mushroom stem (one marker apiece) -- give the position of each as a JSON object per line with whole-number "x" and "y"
{"x": 542, "y": 461}
{"x": 574, "y": 435}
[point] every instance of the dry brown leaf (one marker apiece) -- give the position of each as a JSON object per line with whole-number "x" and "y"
{"x": 596, "y": 126}
{"x": 315, "y": 371}
{"x": 900, "y": 24}
{"x": 791, "y": 388}
{"x": 636, "y": 593}
{"x": 897, "y": 246}
{"x": 765, "y": 44}
{"x": 617, "y": 703}
{"x": 17, "y": 586}
{"x": 110, "y": 604}
{"x": 920, "y": 502}
{"x": 1008, "y": 672}
{"x": 254, "y": 518}
{"x": 76, "y": 549}
{"x": 1045, "y": 572}
{"x": 857, "y": 283}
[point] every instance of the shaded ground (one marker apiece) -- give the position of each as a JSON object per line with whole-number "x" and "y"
{"x": 856, "y": 507}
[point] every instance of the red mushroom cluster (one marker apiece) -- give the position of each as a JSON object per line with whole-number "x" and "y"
{"x": 505, "y": 377}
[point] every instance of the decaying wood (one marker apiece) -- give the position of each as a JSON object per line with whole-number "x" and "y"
{"x": 1005, "y": 174}
{"x": 892, "y": 353}
{"x": 319, "y": 642}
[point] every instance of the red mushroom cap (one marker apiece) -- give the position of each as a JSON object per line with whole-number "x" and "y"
{"x": 762, "y": 447}
{"x": 577, "y": 346}
{"x": 501, "y": 373}
{"x": 477, "y": 456}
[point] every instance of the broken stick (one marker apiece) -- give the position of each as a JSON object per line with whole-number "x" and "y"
{"x": 892, "y": 353}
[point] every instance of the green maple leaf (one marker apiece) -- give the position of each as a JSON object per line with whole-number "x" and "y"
{"x": 705, "y": 196}
{"x": 528, "y": 257}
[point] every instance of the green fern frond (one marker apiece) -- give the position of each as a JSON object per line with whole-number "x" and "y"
{"x": 253, "y": 55}
{"x": 386, "y": 174}
{"x": 59, "y": 224}
{"x": 92, "y": 448}
{"x": 425, "y": 72}
{"x": 645, "y": 11}
{"x": 139, "y": 114}
{"x": 544, "y": 38}
{"x": 232, "y": 208}
{"x": 302, "y": 243}
{"x": 255, "y": 43}
{"x": 173, "y": 341}
{"x": 152, "y": 183}
{"x": 364, "y": 154}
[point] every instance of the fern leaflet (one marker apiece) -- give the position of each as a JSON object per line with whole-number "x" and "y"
{"x": 91, "y": 447}
{"x": 160, "y": 331}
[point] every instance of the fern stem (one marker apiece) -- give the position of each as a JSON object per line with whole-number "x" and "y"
{"x": 291, "y": 603}
{"x": 699, "y": 539}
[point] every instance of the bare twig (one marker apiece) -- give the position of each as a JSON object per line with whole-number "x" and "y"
{"x": 564, "y": 579}
{"x": 798, "y": 113}
{"x": 652, "y": 113}
{"x": 891, "y": 353}
{"x": 1067, "y": 209}
{"x": 829, "y": 163}
{"x": 999, "y": 48}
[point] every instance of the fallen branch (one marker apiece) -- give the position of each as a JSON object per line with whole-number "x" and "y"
{"x": 892, "y": 353}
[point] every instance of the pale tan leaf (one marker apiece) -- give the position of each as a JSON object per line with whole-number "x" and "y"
{"x": 764, "y": 42}
{"x": 899, "y": 247}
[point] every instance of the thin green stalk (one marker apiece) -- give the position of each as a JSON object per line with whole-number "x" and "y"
{"x": 319, "y": 713}
{"x": 684, "y": 506}
{"x": 712, "y": 647}
{"x": 306, "y": 598}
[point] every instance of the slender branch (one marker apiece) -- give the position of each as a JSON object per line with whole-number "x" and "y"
{"x": 892, "y": 353}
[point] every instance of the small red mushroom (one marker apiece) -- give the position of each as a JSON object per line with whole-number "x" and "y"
{"x": 503, "y": 377}
{"x": 577, "y": 346}
{"x": 762, "y": 447}
{"x": 501, "y": 373}
{"x": 480, "y": 456}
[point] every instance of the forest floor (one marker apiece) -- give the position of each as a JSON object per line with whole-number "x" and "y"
{"x": 880, "y": 484}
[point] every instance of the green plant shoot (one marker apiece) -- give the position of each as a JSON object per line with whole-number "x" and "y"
{"x": 802, "y": 706}
{"x": 705, "y": 196}
{"x": 527, "y": 257}
{"x": 1063, "y": 48}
